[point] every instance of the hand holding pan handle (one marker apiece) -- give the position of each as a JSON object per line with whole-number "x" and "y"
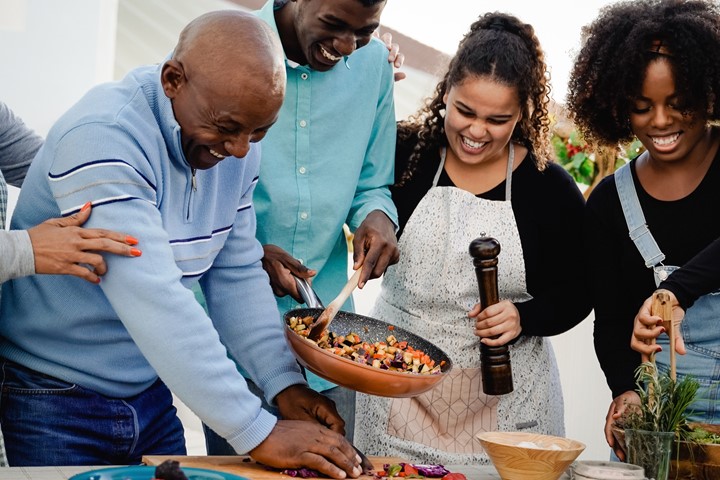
{"x": 494, "y": 361}
{"x": 308, "y": 294}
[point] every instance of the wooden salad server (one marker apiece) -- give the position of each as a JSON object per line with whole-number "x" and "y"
{"x": 661, "y": 307}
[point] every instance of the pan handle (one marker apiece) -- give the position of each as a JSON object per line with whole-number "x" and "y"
{"x": 308, "y": 294}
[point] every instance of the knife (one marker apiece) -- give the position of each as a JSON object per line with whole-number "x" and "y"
{"x": 365, "y": 463}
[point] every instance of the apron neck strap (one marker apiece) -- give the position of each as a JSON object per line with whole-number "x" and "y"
{"x": 508, "y": 173}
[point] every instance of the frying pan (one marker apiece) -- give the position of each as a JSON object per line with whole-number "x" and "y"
{"x": 357, "y": 376}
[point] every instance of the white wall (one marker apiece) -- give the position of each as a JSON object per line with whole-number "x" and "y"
{"x": 52, "y": 52}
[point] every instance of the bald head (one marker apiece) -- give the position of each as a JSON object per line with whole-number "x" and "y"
{"x": 226, "y": 41}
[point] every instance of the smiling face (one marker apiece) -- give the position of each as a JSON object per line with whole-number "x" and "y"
{"x": 325, "y": 31}
{"x": 657, "y": 119}
{"x": 480, "y": 118}
{"x": 224, "y": 98}
{"x": 219, "y": 120}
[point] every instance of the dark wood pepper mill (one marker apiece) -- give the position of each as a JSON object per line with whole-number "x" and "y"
{"x": 494, "y": 361}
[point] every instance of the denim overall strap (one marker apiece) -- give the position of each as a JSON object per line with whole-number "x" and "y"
{"x": 637, "y": 226}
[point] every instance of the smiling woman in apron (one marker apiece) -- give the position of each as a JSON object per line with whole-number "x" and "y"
{"x": 474, "y": 162}
{"x": 656, "y": 213}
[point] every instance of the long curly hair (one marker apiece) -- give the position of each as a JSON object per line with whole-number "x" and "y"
{"x": 609, "y": 70}
{"x": 505, "y": 50}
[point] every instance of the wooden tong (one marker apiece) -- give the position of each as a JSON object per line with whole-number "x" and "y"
{"x": 662, "y": 308}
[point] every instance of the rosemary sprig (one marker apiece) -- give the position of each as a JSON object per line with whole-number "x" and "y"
{"x": 663, "y": 402}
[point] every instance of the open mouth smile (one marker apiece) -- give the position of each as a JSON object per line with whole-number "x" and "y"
{"x": 472, "y": 144}
{"x": 329, "y": 55}
{"x": 216, "y": 154}
{"x": 665, "y": 140}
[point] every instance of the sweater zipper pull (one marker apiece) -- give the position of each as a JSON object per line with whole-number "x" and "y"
{"x": 193, "y": 181}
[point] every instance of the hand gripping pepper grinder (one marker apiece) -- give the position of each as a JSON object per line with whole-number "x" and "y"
{"x": 494, "y": 361}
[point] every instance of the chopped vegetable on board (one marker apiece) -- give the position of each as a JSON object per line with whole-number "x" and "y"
{"x": 417, "y": 471}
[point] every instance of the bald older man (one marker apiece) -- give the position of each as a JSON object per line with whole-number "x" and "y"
{"x": 170, "y": 155}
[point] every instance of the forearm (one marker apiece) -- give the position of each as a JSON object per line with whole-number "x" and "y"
{"x": 18, "y": 146}
{"x": 554, "y": 313}
{"x": 16, "y": 255}
{"x": 698, "y": 277}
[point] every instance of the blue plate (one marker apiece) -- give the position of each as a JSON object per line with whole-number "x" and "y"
{"x": 148, "y": 472}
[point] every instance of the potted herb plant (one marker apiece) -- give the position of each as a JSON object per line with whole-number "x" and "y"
{"x": 660, "y": 418}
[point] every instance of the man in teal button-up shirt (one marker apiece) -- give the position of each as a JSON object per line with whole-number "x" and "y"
{"x": 329, "y": 159}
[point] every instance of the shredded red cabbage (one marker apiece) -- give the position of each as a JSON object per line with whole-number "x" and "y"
{"x": 429, "y": 471}
{"x": 301, "y": 472}
{"x": 432, "y": 471}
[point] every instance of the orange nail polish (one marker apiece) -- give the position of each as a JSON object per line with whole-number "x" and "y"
{"x": 130, "y": 240}
{"x": 135, "y": 252}
{"x": 86, "y": 206}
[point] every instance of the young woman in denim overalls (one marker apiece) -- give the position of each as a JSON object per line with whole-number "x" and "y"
{"x": 649, "y": 69}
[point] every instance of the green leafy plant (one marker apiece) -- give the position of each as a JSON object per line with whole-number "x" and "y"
{"x": 573, "y": 154}
{"x": 664, "y": 402}
{"x": 659, "y": 419}
{"x": 588, "y": 164}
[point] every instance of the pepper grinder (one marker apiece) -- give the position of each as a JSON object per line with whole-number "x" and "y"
{"x": 494, "y": 361}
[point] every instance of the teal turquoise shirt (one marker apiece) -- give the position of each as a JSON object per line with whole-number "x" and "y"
{"x": 328, "y": 161}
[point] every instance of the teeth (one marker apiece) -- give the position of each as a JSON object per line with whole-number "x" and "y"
{"x": 328, "y": 55}
{"x": 216, "y": 154}
{"x": 472, "y": 144}
{"x": 666, "y": 140}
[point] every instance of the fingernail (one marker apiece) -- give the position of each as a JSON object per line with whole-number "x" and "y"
{"x": 135, "y": 252}
{"x": 86, "y": 206}
{"x": 98, "y": 280}
{"x": 130, "y": 240}
{"x": 658, "y": 350}
{"x": 662, "y": 330}
{"x": 357, "y": 471}
{"x": 358, "y": 459}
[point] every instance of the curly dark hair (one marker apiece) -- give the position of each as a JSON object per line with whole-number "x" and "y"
{"x": 504, "y": 49}
{"x": 618, "y": 46}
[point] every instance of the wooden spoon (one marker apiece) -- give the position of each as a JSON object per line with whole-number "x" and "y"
{"x": 323, "y": 321}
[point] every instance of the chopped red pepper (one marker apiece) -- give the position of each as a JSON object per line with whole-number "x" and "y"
{"x": 409, "y": 469}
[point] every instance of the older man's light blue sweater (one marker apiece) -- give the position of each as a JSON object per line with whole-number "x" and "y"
{"x": 119, "y": 147}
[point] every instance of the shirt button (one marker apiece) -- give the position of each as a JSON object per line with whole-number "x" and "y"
{"x": 302, "y": 170}
{"x": 304, "y": 215}
{"x": 303, "y": 123}
{"x": 304, "y": 76}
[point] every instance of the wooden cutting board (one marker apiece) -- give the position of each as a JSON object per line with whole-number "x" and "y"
{"x": 243, "y": 465}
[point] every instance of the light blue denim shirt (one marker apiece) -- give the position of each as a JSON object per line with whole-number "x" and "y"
{"x": 327, "y": 161}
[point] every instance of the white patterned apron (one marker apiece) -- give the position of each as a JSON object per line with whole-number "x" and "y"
{"x": 429, "y": 292}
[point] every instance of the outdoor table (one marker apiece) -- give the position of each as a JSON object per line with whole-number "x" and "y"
{"x": 487, "y": 472}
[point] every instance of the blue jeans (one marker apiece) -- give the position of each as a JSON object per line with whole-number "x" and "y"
{"x": 47, "y": 421}
{"x": 344, "y": 402}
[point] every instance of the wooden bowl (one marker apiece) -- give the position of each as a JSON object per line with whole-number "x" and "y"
{"x": 529, "y": 456}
